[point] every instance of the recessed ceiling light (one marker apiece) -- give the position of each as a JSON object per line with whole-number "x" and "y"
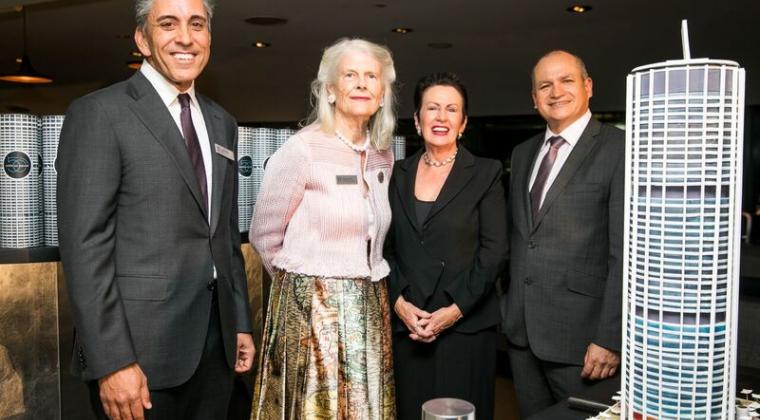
{"x": 136, "y": 54}
{"x": 266, "y": 21}
{"x": 134, "y": 64}
{"x": 260, "y": 44}
{"x": 440, "y": 45}
{"x": 401, "y": 30}
{"x": 578, "y": 8}
{"x": 19, "y": 60}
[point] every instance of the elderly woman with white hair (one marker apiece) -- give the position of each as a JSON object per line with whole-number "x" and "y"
{"x": 319, "y": 226}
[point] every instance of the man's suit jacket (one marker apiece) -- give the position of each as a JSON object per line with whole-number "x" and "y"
{"x": 456, "y": 255}
{"x": 137, "y": 249}
{"x": 566, "y": 266}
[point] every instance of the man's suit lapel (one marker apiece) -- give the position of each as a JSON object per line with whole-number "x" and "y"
{"x": 216, "y": 135}
{"x": 153, "y": 113}
{"x": 585, "y": 145}
{"x": 460, "y": 175}
{"x": 405, "y": 184}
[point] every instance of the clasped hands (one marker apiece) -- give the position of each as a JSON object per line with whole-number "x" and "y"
{"x": 425, "y": 326}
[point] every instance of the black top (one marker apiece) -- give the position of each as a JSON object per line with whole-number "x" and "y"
{"x": 422, "y": 208}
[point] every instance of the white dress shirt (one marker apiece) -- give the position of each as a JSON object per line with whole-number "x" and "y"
{"x": 168, "y": 94}
{"x": 571, "y": 135}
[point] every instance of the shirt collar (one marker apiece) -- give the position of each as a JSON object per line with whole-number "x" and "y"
{"x": 165, "y": 89}
{"x": 573, "y": 132}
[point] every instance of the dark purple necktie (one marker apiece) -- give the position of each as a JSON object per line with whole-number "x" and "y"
{"x": 543, "y": 174}
{"x": 193, "y": 146}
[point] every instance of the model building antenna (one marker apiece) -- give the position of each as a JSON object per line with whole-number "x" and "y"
{"x": 685, "y": 39}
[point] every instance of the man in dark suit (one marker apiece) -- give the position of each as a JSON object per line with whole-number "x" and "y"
{"x": 565, "y": 209}
{"x": 150, "y": 246}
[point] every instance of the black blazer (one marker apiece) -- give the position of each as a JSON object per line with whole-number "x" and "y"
{"x": 456, "y": 255}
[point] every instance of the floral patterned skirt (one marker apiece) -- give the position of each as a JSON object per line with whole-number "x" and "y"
{"x": 326, "y": 351}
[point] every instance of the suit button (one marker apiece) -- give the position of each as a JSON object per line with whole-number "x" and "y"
{"x": 443, "y": 263}
{"x": 531, "y": 244}
{"x": 528, "y": 281}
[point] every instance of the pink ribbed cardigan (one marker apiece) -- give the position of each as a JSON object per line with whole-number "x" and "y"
{"x": 310, "y": 215}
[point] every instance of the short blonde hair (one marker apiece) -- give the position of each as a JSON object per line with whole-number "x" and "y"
{"x": 383, "y": 123}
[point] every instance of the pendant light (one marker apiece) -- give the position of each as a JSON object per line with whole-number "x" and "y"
{"x": 25, "y": 73}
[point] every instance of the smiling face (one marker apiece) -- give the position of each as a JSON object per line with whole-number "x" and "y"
{"x": 441, "y": 116}
{"x": 561, "y": 92}
{"x": 358, "y": 89}
{"x": 176, "y": 41}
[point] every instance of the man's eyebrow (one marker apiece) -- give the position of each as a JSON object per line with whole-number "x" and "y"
{"x": 172, "y": 17}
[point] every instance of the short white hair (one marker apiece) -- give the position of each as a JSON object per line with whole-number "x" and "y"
{"x": 383, "y": 123}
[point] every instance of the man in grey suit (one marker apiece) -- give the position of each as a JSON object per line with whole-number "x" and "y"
{"x": 563, "y": 317}
{"x": 147, "y": 205}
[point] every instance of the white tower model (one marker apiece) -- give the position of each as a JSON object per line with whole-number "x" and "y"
{"x": 684, "y": 129}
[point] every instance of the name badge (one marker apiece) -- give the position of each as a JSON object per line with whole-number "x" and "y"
{"x": 346, "y": 179}
{"x": 224, "y": 152}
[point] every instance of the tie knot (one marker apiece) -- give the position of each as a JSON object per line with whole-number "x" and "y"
{"x": 184, "y": 100}
{"x": 556, "y": 141}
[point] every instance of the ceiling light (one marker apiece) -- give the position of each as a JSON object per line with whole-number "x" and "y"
{"x": 401, "y": 30}
{"x": 266, "y": 21}
{"x": 260, "y": 44}
{"x": 25, "y": 73}
{"x": 578, "y": 8}
{"x": 134, "y": 64}
{"x": 440, "y": 45}
{"x": 136, "y": 54}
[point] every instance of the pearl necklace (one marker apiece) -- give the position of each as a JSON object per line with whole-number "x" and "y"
{"x": 430, "y": 162}
{"x": 352, "y": 145}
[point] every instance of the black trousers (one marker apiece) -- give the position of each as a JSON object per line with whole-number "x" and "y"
{"x": 205, "y": 396}
{"x": 540, "y": 384}
{"x": 455, "y": 365}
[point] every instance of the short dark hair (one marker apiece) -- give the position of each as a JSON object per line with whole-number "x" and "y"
{"x": 439, "y": 79}
{"x": 142, "y": 10}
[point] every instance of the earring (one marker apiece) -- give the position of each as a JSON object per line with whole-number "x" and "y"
{"x": 382, "y": 103}
{"x": 419, "y": 132}
{"x": 459, "y": 136}
{"x": 331, "y": 99}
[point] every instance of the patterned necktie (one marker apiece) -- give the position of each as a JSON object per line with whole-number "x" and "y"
{"x": 543, "y": 174}
{"x": 193, "y": 146}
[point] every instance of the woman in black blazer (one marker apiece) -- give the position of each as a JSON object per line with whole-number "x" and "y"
{"x": 446, "y": 246}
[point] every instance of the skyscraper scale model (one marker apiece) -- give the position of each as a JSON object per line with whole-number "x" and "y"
{"x": 684, "y": 127}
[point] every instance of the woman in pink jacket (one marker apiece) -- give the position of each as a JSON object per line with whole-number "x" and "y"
{"x": 319, "y": 226}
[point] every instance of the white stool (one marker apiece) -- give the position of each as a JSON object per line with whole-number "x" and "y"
{"x": 448, "y": 409}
